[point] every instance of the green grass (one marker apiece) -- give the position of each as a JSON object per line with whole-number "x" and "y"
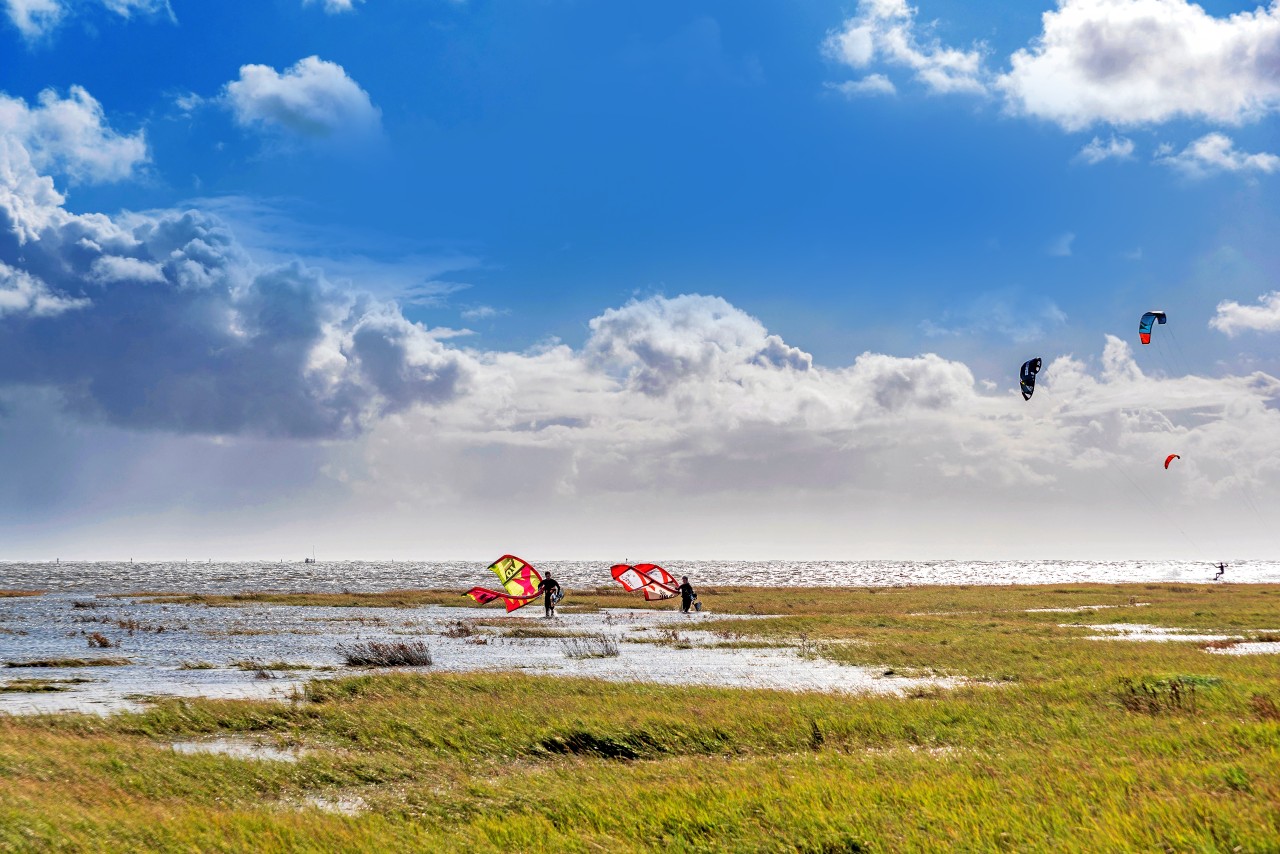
{"x": 1052, "y": 742}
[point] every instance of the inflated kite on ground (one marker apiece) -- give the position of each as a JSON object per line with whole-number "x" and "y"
{"x": 653, "y": 580}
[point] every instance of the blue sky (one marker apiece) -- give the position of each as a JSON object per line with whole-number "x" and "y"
{"x": 760, "y": 267}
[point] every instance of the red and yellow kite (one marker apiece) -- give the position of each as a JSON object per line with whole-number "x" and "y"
{"x": 519, "y": 584}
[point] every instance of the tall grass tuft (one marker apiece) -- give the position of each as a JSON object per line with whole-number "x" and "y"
{"x": 590, "y": 646}
{"x": 386, "y": 654}
{"x": 1157, "y": 696}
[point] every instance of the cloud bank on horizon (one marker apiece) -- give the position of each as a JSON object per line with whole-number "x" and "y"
{"x": 159, "y": 328}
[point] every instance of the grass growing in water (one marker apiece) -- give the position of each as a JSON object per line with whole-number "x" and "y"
{"x": 38, "y": 686}
{"x": 386, "y": 654}
{"x": 590, "y": 646}
{"x": 69, "y": 662}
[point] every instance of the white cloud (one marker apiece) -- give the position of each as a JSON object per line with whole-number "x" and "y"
{"x": 1096, "y": 151}
{"x": 1232, "y": 318}
{"x": 36, "y": 19}
{"x": 872, "y": 84}
{"x": 22, "y": 293}
{"x": 884, "y": 31}
{"x": 1135, "y": 62}
{"x": 313, "y": 98}
{"x": 70, "y": 136}
{"x": 482, "y": 312}
{"x": 113, "y": 268}
{"x": 1060, "y": 246}
{"x": 1215, "y": 152}
{"x": 659, "y": 343}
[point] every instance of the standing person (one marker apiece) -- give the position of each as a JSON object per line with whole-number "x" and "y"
{"x": 550, "y": 589}
{"x": 686, "y": 594}
{"x": 1222, "y": 569}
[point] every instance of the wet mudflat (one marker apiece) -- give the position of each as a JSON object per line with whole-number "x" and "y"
{"x": 261, "y": 651}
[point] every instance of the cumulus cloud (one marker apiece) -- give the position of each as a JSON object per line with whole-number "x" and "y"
{"x": 1216, "y": 152}
{"x": 1134, "y": 62}
{"x": 313, "y": 98}
{"x": 1098, "y": 150}
{"x": 36, "y": 19}
{"x": 162, "y": 321}
{"x": 1232, "y": 318}
{"x": 70, "y": 136}
{"x": 658, "y": 343}
{"x": 885, "y": 31}
{"x": 22, "y": 293}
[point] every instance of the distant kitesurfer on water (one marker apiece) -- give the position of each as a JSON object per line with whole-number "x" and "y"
{"x": 686, "y": 594}
{"x": 550, "y": 589}
{"x": 1222, "y": 569}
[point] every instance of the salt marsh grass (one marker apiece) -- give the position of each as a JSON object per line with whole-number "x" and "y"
{"x": 1052, "y": 742}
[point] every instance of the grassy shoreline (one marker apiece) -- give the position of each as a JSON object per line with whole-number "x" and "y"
{"x": 1056, "y": 741}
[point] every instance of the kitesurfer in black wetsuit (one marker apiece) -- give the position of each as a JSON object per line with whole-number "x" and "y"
{"x": 549, "y": 587}
{"x": 686, "y": 594}
{"x": 1222, "y": 570}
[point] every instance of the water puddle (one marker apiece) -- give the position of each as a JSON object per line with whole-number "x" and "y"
{"x": 350, "y": 805}
{"x": 239, "y": 748}
{"x": 1078, "y": 608}
{"x": 1140, "y": 632}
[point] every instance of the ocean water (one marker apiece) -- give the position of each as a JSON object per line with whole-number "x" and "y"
{"x": 368, "y": 576}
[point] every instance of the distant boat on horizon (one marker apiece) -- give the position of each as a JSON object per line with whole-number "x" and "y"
{"x": 311, "y": 559}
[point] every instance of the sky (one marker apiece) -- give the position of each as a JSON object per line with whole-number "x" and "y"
{"x": 438, "y": 279}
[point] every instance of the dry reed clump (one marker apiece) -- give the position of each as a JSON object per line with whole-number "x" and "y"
{"x": 98, "y": 640}
{"x": 1264, "y": 707}
{"x": 459, "y": 629}
{"x": 386, "y": 654}
{"x": 673, "y": 639}
{"x": 1158, "y": 696}
{"x": 590, "y": 646}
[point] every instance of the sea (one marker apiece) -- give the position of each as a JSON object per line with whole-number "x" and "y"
{"x": 105, "y": 577}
